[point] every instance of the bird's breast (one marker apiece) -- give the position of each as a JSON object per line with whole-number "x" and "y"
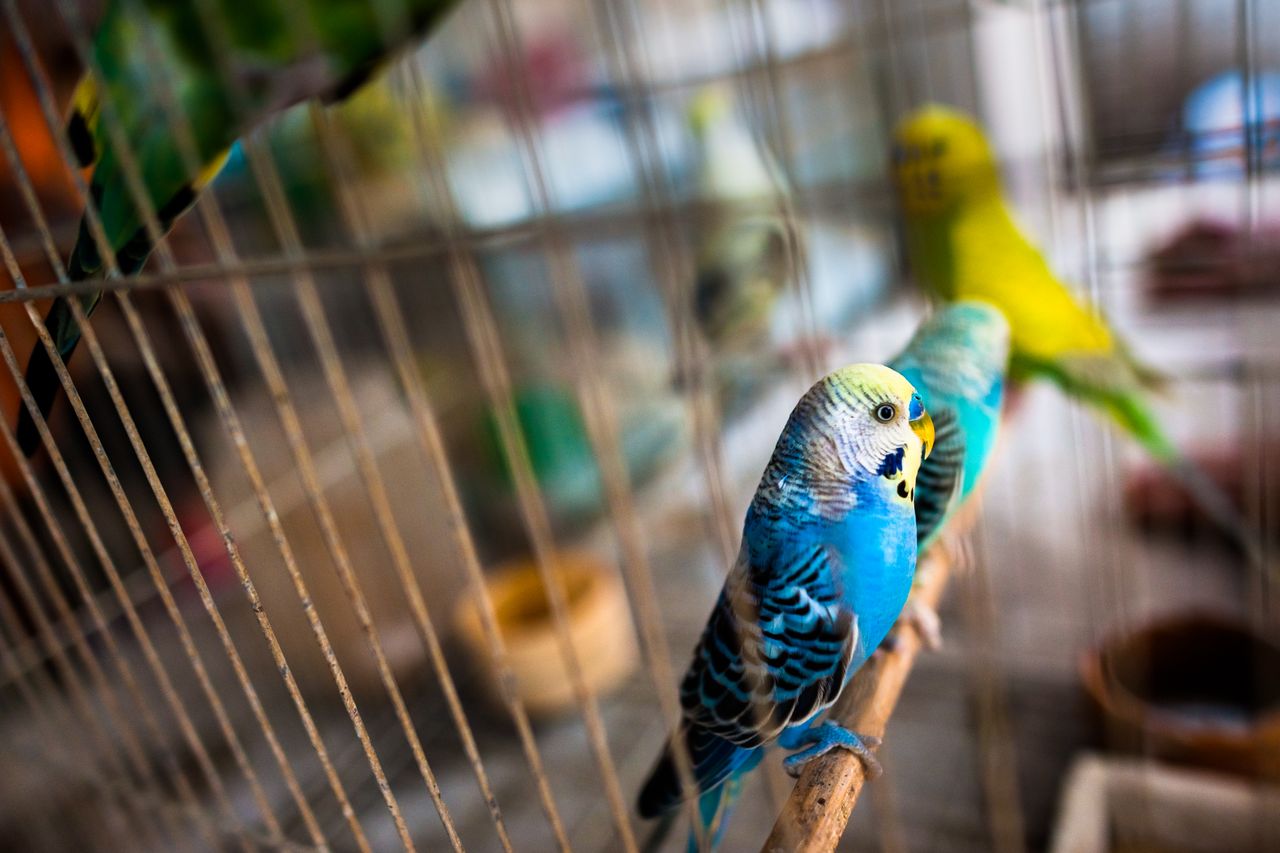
{"x": 878, "y": 566}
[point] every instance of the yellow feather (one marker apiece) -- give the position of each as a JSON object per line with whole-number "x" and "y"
{"x": 82, "y": 123}
{"x": 85, "y": 99}
{"x": 211, "y": 170}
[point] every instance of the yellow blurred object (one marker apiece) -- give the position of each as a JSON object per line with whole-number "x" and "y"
{"x": 711, "y": 105}
{"x": 599, "y": 625}
{"x": 964, "y": 243}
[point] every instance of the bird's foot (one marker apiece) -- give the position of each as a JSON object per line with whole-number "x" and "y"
{"x": 925, "y": 620}
{"x": 829, "y": 736}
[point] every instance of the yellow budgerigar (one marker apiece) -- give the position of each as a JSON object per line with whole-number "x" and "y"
{"x": 963, "y": 243}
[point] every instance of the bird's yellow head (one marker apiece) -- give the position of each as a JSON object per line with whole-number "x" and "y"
{"x": 862, "y": 428}
{"x": 866, "y": 413}
{"x": 711, "y": 106}
{"x": 941, "y": 159}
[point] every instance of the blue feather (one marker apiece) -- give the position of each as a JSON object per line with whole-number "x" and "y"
{"x": 957, "y": 361}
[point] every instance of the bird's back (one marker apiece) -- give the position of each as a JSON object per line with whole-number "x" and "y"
{"x": 182, "y": 87}
{"x": 981, "y": 253}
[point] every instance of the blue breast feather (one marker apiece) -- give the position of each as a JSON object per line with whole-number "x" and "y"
{"x": 798, "y": 617}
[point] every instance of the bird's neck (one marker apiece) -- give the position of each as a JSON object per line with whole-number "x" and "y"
{"x": 804, "y": 497}
{"x": 935, "y": 243}
{"x": 793, "y": 489}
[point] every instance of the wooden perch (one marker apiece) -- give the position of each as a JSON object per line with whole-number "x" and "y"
{"x": 815, "y": 816}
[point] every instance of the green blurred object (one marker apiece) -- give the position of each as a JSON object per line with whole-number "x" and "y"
{"x": 744, "y": 251}
{"x": 560, "y": 451}
{"x": 377, "y": 144}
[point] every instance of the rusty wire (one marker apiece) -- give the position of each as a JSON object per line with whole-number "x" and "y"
{"x": 136, "y": 768}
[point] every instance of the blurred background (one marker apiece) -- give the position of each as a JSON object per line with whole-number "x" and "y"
{"x": 472, "y": 347}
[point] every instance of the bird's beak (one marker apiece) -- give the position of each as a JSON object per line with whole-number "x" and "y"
{"x": 923, "y": 427}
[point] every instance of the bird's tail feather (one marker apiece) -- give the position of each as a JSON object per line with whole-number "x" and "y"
{"x": 1218, "y": 506}
{"x": 714, "y": 809}
{"x": 1215, "y": 503}
{"x": 82, "y": 122}
{"x": 86, "y": 261}
{"x": 719, "y": 766}
{"x": 41, "y": 377}
{"x": 713, "y": 758}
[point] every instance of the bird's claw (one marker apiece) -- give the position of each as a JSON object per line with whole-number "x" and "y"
{"x": 927, "y": 624}
{"x": 888, "y": 645}
{"x": 829, "y": 736}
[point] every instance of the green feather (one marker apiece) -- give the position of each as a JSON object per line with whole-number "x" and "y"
{"x": 224, "y": 77}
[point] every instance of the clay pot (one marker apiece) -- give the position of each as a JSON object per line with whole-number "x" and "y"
{"x": 1195, "y": 689}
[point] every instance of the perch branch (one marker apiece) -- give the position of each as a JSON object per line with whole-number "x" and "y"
{"x": 814, "y": 818}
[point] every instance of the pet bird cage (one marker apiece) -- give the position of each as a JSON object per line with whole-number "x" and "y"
{"x": 396, "y": 487}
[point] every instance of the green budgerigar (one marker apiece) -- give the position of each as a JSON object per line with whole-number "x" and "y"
{"x": 964, "y": 243}
{"x": 225, "y": 74}
{"x": 742, "y": 255}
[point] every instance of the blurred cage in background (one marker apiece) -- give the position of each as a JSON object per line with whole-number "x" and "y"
{"x": 449, "y": 338}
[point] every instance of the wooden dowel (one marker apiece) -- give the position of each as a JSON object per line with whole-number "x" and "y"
{"x": 818, "y": 810}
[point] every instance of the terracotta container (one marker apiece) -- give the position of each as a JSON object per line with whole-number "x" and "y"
{"x": 1195, "y": 689}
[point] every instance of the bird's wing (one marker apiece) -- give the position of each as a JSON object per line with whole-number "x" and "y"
{"x": 774, "y": 653}
{"x": 941, "y": 475}
{"x": 1092, "y": 375}
{"x": 1151, "y": 378}
{"x": 1109, "y": 383}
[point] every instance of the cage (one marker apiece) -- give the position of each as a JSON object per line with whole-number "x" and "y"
{"x": 383, "y": 505}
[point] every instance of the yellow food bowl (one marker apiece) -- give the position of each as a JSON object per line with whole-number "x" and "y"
{"x": 599, "y": 625}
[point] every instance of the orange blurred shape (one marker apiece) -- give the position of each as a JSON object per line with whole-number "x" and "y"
{"x": 51, "y": 179}
{"x": 36, "y": 145}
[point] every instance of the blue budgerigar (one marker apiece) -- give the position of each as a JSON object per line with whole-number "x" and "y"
{"x": 957, "y": 361}
{"x": 827, "y": 559}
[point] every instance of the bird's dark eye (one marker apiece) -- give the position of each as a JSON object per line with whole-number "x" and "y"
{"x": 885, "y": 412}
{"x": 939, "y": 147}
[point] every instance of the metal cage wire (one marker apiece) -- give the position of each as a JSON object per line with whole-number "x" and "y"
{"x": 117, "y": 685}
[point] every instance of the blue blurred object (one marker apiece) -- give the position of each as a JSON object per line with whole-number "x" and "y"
{"x": 1219, "y": 113}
